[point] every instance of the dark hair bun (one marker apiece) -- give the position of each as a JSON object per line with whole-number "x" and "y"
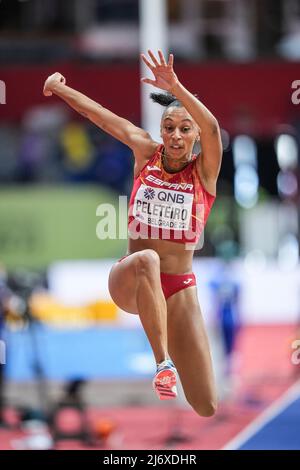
{"x": 164, "y": 99}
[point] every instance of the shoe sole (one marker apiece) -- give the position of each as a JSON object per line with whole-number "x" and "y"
{"x": 164, "y": 384}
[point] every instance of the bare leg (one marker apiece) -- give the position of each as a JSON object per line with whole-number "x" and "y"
{"x": 135, "y": 286}
{"x": 151, "y": 303}
{"x": 189, "y": 349}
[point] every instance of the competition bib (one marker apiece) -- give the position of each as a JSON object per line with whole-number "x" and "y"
{"x": 162, "y": 208}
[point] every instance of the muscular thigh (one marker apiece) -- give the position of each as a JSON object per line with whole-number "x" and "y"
{"x": 122, "y": 284}
{"x": 188, "y": 344}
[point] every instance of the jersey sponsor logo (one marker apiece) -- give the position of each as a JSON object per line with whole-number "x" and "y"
{"x": 167, "y": 184}
{"x": 153, "y": 168}
{"x": 149, "y": 193}
{"x": 188, "y": 281}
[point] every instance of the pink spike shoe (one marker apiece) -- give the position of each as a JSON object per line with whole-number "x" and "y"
{"x": 164, "y": 382}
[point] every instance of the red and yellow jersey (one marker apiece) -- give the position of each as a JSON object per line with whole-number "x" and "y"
{"x": 168, "y": 206}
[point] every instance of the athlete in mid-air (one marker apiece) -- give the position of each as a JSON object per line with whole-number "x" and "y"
{"x": 172, "y": 195}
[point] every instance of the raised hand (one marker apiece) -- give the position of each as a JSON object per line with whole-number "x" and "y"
{"x": 165, "y": 77}
{"x": 51, "y": 81}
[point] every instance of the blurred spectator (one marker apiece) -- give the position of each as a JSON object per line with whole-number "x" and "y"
{"x": 9, "y": 137}
{"x": 226, "y": 292}
{"x": 114, "y": 165}
{"x": 43, "y": 118}
{"x": 78, "y": 152}
{"x": 32, "y": 152}
{"x": 38, "y": 149}
{"x": 48, "y": 147}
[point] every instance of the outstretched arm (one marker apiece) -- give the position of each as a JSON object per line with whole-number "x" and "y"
{"x": 165, "y": 78}
{"x": 137, "y": 139}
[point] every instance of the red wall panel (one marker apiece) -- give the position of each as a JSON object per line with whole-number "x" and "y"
{"x": 254, "y": 98}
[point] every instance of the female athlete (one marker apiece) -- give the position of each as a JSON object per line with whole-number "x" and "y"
{"x": 173, "y": 192}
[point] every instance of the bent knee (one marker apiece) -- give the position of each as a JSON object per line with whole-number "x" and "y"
{"x": 204, "y": 408}
{"x": 147, "y": 260}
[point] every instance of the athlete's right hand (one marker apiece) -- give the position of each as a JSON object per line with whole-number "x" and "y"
{"x": 51, "y": 81}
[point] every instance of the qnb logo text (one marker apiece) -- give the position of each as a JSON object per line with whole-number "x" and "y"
{"x": 171, "y": 198}
{"x": 2, "y": 92}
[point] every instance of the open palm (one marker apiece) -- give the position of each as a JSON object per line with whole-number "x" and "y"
{"x": 165, "y": 77}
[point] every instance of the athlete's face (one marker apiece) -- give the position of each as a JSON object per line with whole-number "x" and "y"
{"x": 179, "y": 133}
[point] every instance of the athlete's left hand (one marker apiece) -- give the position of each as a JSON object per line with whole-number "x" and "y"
{"x": 165, "y": 77}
